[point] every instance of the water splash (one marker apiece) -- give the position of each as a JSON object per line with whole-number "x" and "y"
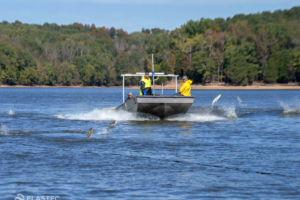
{"x": 290, "y": 107}
{"x": 3, "y": 130}
{"x": 102, "y": 132}
{"x": 11, "y": 112}
{"x": 229, "y": 112}
{"x": 110, "y": 114}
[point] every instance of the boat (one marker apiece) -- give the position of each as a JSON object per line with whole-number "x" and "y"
{"x": 160, "y": 106}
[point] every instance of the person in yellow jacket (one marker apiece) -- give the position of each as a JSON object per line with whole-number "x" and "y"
{"x": 145, "y": 85}
{"x": 185, "y": 89}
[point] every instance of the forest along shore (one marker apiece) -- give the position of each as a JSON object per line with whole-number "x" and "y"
{"x": 169, "y": 87}
{"x": 241, "y": 50}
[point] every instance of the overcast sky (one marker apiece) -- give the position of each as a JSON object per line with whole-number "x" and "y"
{"x": 132, "y": 15}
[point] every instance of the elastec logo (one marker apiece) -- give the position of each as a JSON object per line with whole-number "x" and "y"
{"x": 21, "y": 197}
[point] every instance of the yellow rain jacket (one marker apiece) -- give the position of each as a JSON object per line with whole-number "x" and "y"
{"x": 185, "y": 89}
{"x": 147, "y": 84}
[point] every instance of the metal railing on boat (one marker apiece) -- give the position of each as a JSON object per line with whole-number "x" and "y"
{"x": 157, "y": 74}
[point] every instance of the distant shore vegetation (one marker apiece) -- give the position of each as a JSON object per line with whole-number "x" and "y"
{"x": 239, "y": 51}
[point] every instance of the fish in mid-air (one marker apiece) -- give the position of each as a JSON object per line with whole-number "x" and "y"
{"x": 215, "y": 100}
{"x": 239, "y": 99}
{"x": 111, "y": 125}
{"x": 89, "y": 135}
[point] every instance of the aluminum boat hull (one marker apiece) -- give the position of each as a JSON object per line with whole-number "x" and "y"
{"x": 161, "y": 106}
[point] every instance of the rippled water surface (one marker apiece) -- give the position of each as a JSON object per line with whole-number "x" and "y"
{"x": 233, "y": 150}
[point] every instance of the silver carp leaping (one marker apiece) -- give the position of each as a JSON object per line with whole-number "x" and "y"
{"x": 89, "y": 135}
{"x": 111, "y": 125}
{"x": 215, "y": 100}
{"x": 239, "y": 99}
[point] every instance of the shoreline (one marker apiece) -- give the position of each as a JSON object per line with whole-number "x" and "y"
{"x": 172, "y": 87}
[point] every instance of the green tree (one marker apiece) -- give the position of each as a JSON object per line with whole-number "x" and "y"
{"x": 282, "y": 61}
{"x": 10, "y": 77}
{"x": 112, "y": 32}
{"x": 200, "y": 61}
{"x": 24, "y": 60}
{"x": 89, "y": 75}
{"x": 52, "y": 76}
{"x": 28, "y": 76}
{"x": 295, "y": 65}
{"x": 239, "y": 73}
{"x": 271, "y": 71}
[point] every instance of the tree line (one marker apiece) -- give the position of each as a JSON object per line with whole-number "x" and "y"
{"x": 240, "y": 50}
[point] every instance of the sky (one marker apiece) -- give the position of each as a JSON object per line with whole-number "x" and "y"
{"x": 132, "y": 15}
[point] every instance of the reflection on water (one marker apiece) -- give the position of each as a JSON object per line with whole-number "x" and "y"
{"x": 186, "y": 125}
{"x": 186, "y": 129}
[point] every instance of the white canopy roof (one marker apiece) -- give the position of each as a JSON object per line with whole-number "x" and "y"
{"x": 150, "y": 74}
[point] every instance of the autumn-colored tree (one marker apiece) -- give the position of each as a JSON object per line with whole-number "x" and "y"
{"x": 78, "y": 26}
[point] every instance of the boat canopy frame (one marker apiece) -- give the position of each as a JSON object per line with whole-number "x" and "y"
{"x": 157, "y": 74}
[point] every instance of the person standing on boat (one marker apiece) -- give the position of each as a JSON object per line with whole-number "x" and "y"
{"x": 145, "y": 85}
{"x": 185, "y": 89}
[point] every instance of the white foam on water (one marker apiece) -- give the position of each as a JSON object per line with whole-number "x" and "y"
{"x": 107, "y": 114}
{"x": 229, "y": 111}
{"x": 3, "y": 130}
{"x": 290, "y": 107}
{"x": 195, "y": 117}
{"x": 110, "y": 114}
{"x": 102, "y": 132}
{"x": 10, "y": 112}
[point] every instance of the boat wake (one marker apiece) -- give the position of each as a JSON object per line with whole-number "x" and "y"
{"x": 194, "y": 117}
{"x": 110, "y": 114}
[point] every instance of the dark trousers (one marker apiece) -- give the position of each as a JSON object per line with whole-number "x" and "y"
{"x": 148, "y": 91}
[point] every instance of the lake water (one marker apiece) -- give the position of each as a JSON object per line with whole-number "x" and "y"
{"x": 234, "y": 150}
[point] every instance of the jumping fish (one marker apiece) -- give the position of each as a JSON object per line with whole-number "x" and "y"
{"x": 89, "y": 135}
{"x": 239, "y": 99}
{"x": 215, "y": 100}
{"x": 111, "y": 125}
